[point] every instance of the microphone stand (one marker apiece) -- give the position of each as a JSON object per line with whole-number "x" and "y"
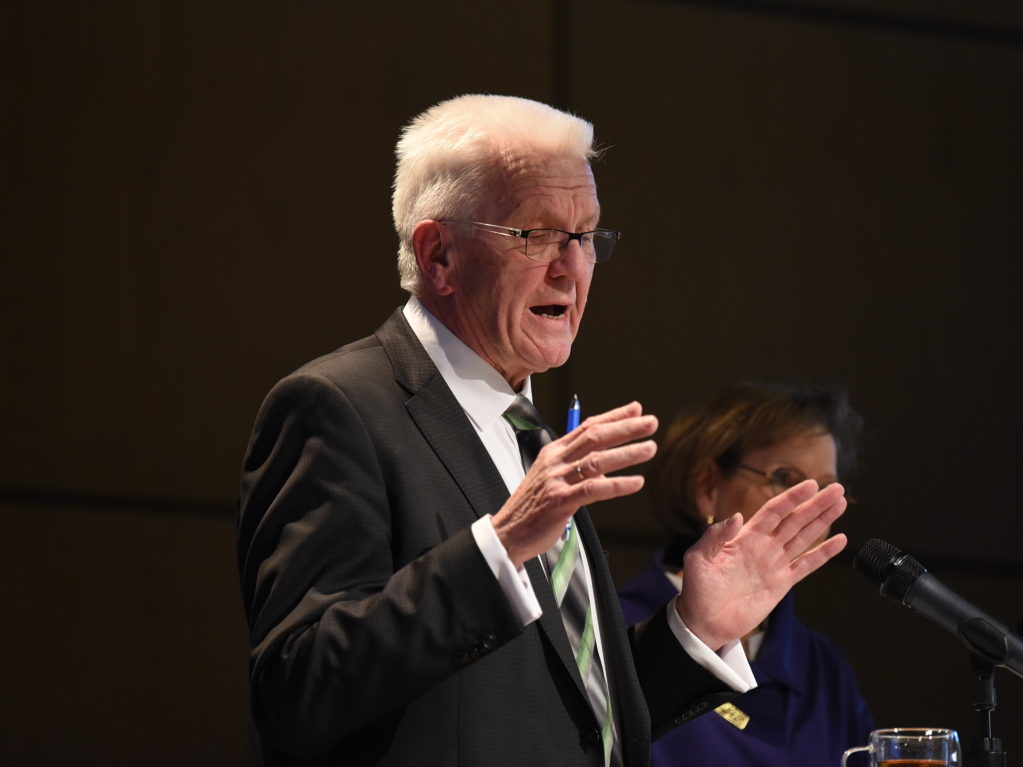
{"x": 987, "y": 750}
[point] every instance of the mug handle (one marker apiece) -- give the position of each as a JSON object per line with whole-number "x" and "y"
{"x": 853, "y": 751}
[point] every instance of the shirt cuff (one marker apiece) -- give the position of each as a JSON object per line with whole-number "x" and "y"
{"x": 729, "y": 664}
{"x": 514, "y": 582}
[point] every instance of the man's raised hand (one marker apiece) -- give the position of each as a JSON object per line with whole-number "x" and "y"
{"x": 535, "y": 515}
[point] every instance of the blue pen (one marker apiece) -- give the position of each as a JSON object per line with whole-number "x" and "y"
{"x": 573, "y": 422}
{"x": 573, "y": 414}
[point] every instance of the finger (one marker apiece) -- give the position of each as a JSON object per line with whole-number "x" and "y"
{"x": 806, "y": 513}
{"x": 625, "y": 411}
{"x": 805, "y": 564}
{"x": 778, "y": 509}
{"x": 715, "y": 538}
{"x": 600, "y": 436}
{"x": 614, "y": 459}
{"x": 604, "y": 488}
{"x": 815, "y": 528}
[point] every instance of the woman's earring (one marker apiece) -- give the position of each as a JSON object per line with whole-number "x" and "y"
{"x": 710, "y": 519}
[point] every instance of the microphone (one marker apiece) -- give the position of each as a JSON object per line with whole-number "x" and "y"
{"x": 900, "y": 577}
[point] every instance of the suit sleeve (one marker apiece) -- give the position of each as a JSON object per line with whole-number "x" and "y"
{"x": 676, "y": 687}
{"x": 341, "y": 636}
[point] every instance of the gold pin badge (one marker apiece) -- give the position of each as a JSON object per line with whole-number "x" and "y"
{"x": 733, "y": 715}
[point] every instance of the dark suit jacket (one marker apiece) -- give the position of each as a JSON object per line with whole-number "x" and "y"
{"x": 379, "y": 634}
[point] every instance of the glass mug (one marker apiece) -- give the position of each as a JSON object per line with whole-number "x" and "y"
{"x": 911, "y": 747}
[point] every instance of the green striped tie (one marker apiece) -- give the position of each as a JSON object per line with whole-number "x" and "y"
{"x": 568, "y": 580}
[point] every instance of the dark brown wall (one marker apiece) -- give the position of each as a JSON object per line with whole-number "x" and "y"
{"x": 832, "y": 202}
{"x": 194, "y": 200}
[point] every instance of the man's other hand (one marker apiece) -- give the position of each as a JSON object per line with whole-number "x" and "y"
{"x": 737, "y": 573}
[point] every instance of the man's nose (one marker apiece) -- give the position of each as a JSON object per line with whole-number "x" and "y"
{"x": 572, "y": 261}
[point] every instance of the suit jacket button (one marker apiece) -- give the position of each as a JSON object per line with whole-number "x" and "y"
{"x": 462, "y": 659}
{"x": 490, "y": 641}
{"x": 590, "y": 739}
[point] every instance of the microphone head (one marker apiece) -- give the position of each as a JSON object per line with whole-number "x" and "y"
{"x": 873, "y": 560}
{"x": 887, "y": 569}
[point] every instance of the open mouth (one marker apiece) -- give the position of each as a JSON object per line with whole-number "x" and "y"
{"x": 550, "y": 311}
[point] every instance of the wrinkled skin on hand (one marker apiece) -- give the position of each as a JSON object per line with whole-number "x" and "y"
{"x": 535, "y": 515}
{"x": 738, "y": 572}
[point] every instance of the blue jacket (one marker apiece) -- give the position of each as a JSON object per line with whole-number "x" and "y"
{"x": 805, "y": 712}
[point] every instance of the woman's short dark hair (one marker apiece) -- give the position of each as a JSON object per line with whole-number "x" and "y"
{"x": 737, "y": 420}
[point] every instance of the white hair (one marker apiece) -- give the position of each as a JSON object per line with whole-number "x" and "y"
{"x": 448, "y": 154}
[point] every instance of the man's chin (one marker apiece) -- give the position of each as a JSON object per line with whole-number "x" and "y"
{"x": 553, "y": 358}
{"x": 543, "y": 353}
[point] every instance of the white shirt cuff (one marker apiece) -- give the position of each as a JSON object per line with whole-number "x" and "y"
{"x": 514, "y": 582}
{"x": 729, "y": 664}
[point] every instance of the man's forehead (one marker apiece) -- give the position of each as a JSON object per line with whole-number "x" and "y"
{"x": 532, "y": 184}
{"x": 545, "y": 168}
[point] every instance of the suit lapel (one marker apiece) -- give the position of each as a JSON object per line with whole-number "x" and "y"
{"x": 441, "y": 419}
{"x": 445, "y": 426}
{"x": 456, "y": 443}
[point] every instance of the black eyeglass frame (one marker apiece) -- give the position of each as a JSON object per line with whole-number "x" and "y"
{"x": 775, "y": 481}
{"x": 609, "y": 235}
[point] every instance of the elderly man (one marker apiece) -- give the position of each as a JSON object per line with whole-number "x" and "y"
{"x": 422, "y": 581}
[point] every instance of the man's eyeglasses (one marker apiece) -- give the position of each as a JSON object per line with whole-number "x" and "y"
{"x": 782, "y": 479}
{"x": 547, "y": 245}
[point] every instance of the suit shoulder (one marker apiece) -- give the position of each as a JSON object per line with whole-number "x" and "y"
{"x": 356, "y": 352}
{"x": 344, "y": 391}
{"x": 363, "y": 362}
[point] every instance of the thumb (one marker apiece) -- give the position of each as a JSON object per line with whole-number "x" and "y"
{"x": 719, "y": 534}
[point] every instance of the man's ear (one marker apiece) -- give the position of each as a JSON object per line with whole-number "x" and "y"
{"x": 431, "y": 244}
{"x": 705, "y": 490}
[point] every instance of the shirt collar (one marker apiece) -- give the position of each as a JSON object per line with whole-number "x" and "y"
{"x": 481, "y": 391}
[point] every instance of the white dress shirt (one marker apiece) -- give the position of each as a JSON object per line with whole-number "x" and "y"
{"x": 484, "y": 395}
